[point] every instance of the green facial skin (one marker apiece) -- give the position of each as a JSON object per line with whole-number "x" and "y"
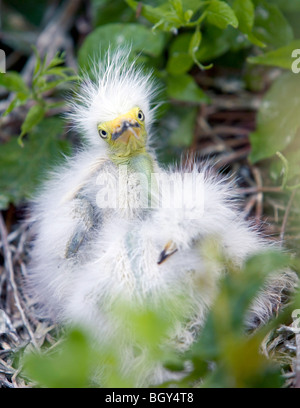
{"x": 126, "y": 137}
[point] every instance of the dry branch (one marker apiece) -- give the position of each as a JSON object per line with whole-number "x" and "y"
{"x": 11, "y": 279}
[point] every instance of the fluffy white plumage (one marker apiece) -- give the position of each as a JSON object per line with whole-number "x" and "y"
{"x": 117, "y": 86}
{"x": 115, "y": 252}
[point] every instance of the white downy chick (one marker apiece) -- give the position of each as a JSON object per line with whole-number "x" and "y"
{"x": 108, "y": 228}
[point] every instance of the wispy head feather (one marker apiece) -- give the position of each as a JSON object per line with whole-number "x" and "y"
{"x": 115, "y": 86}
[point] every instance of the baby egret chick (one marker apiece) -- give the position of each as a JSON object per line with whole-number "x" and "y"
{"x": 109, "y": 228}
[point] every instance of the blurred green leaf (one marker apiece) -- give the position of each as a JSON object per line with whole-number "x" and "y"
{"x": 193, "y": 5}
{"x": 221, "y": 14}
{"x": 195, "y": 42}
{"x": 282, "y": 57}
{"x": 184, "y": 88}
{"x": 177, "y": 128}
{"x": 19, "y": 99}
{"x": 13, "y": 82}
{"x": 45, "y": 78}
{"x": 139, "y": 37}
{"x": 182, "y": 136}
{"x": 239, "y": 289}
{"x": 68, "y": 367}
{"x": 278, "y": 118}
{"x": 164, "y": 17}
{"x": 239, "y": 361}
{"x": 216, "y": 42}
{"x": 286, "y": 5}
{"x": 222, "y": 356}
{"x": 31, "y": 9}
{"x": 33, "y": 117}
{"x": 107, "y": 11}
{"x": 250, "y": 282}
{"x": 177, "y": 6}
{"x": 49, "y": 75}
{"x": 22, "y": 169}
{"x": 292, "y": 155}
{"x": 270, "y": 25}
{"x": 179, "y": 63}
{"x": 244, "y": 10}
{"x": 194, "y": 46}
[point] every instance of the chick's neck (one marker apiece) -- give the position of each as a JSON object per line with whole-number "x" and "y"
{"x": 141, "y": 163}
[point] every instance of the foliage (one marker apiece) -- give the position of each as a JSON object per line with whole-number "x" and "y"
{"x": 182, "y": 41}
{"x": 278, "y": 119}
{"x": 197, "y": 33}
{"x": 173, "y": 37}
{"x": 23, "y": 169}
{"x": 46, "y": 77}
{"x": 222, "y": 343}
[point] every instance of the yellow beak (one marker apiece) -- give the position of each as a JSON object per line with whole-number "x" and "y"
{"x": 123, "y": 130}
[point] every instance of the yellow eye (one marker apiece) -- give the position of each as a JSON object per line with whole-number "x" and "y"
{"x": 103, "y": 133}
{"x": 141, "y": 115}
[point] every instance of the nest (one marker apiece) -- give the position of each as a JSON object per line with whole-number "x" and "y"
{"x": 222, "y": 132}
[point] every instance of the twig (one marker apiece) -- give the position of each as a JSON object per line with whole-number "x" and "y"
{"x": 232, "y": 157}
{"x": 253, "y": 190}
{"x": 231, "y": 130}
{"x": 259, "y": 196}
{"x": 226, "y": 131}
{"x": 11, "y": 279}
{"x": 250, "y": 204}
{"x": 286, "y": 216}
{"x": 54, "y": 35}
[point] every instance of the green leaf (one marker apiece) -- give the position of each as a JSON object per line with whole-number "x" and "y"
{"x": 47, "y": 85}
{"x": 34, "y": 116}
{"x": 249, "y": 283}
{"x": 188, "y": 15}
{"x": 287, "y": 5}
{"x": 163, "y": 17}
{"x": 244, "y": 10}
{"x": 278, "y": 118}
{"x": 13, "y": 82}
{"x": 107, "y": 11}
{"x": 57, "y": 60}
{"x": 289, "y": 175}
{"x": 270, "y": 26}
{"x": 179, "y": 63}
{"x": 177, "y": 5}
{"x": 182, "y": 53}
{"x": 194, "y": 46}
{"x": 22, "y": 169}
{"x": 18, "y": 100}
{"x": 193, "y": 5}
{"x": 282, "y": 57}
{"x": 139, "y": 37}
{"x": 214, "y": 43}
{"x": 223, "y": 338}
{"x": 221, "y": 14}
{"x": 59, "y": 71}
{"x": 184, "y": 88}
{"x": 68, "y": 367}
{"x": 182, "y": 136}
{"x": 195, "y": 42}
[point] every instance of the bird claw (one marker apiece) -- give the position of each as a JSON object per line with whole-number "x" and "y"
{"x": 168, "y": 250}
